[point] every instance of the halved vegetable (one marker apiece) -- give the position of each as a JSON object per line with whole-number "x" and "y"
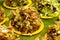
{"x": 36, "y": 32}
{"x": 14, "y": 4}
{"x": 53, "y": 32}
{"x": 26, "y": 21}
{"x": 49, "y": 11}
{"x": 3, "y": 17}
{"x": 46, "y": 9}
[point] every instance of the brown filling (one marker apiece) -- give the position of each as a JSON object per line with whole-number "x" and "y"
{"x": 14, "y": 3}
{"x": 28, "y": 21}
{"x": 52, "y": 34}
{"x": 3, "y": 38}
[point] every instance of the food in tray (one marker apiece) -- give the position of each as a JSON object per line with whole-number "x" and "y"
{"x": 7, "y": 33}
{"x": 47, "y": 9}
{"x": 53, "y": 32}
{"x": 3, "y": 17}
{"x": 14, "y": 4}
{"x": 26, "y": 21}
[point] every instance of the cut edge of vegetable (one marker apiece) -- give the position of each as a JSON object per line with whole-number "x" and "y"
{"x": 46, "y": 17}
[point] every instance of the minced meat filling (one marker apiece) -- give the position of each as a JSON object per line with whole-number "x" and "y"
{"x": 2, "y": 15}
{"x": 28, "y": 22}
{"x": 45, "y": 8}
{"x": 14, "y": 3}
{"x": 2, "y": 37}
{"x": 52, "y": 33}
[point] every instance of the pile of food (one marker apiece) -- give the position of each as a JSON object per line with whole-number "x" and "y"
{"x": 53, "y": 32}
{"x": 26, "y": 20}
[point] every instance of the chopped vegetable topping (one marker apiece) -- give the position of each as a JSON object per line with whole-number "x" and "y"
{"x": 14, "y": 3}
{"x": 54, "y": 31}
{"x": 28, "y": 20}
{"x": 51, "y": 34}
{"x": 47, "y": 8}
